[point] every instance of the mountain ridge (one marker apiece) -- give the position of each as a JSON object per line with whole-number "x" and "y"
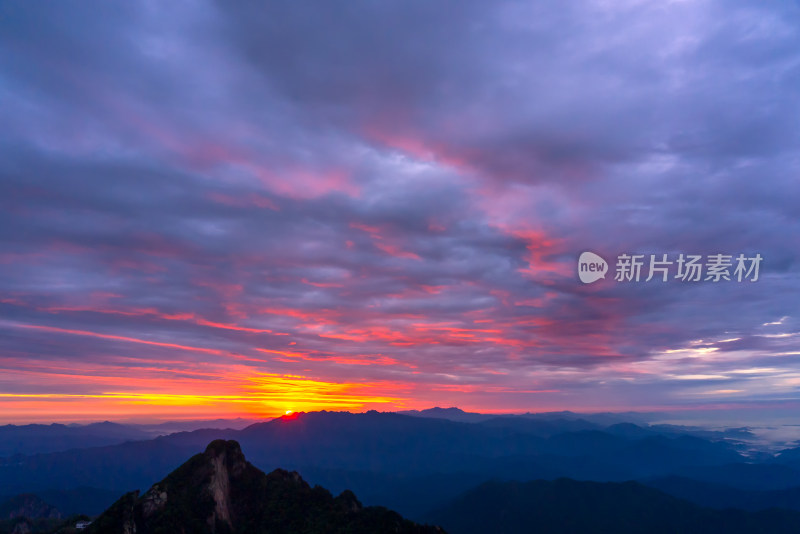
{"x": 219, "y": 491}
{"x": 566, "y": 506}
{"x": 407, "y": 463}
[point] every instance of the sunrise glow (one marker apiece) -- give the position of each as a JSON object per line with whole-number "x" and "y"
{"x": 389, "y": 216}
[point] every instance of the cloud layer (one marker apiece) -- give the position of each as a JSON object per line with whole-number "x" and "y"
{"x": 260, "y": 206}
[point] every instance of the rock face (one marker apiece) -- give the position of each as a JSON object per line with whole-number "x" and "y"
{"x": 219, "y": 492}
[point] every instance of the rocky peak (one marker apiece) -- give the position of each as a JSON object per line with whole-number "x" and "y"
{"x": 220, "y": 492}
{"x": 229, "y": 449}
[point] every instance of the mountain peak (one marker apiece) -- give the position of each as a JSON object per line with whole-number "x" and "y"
{"x": 229, "y": 449}
{"x": 219, "y": 491}
{"x": 451, "y": 409}
{"x": 452, "y": 413}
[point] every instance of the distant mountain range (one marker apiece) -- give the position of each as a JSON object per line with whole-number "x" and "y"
{"x": 32, "y": 439}
{"x": 600, "y": 419}
{"x": 39, "y": 438}
{"x": 414, "y": 463}
{"x": 219, "y": 491}
{"x": 566, "y": 506}
{"x": 36, "y": 439}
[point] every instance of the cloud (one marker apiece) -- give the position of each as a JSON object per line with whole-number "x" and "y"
{"x": 398, "y": 193}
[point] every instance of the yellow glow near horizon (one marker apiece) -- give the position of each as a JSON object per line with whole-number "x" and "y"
{"x": 249, "y": 396}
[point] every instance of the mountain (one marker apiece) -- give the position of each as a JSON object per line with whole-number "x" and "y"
{"x": 789, "y": 457}
{"x": 79, "y": 501}
{"x": 721, "y": 496}
{"x": 219, "y": 491}
{"x": 451, "y": 414}
{"x": 27, "y": 505}
{"x": 41, "y": 439}
{"x": 30, "y": 514}
{"x": 409, "y": 463}
{"x": 595, "y": 419}
{"x": 745, "y": 476}
{"x": 394, "y": 443}
{"x": 567, "y": 506}
{"x": 539, "y": 427}
{"x": 170, "y": 427}
{"x": 33, "y": 439}
{"x": 118, "y": 467}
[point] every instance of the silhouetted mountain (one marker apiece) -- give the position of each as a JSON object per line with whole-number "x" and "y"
{"x": 745, "y": 476}
{"x": 720, "y": 496}
{"x": 27, "y": 525}
{"x": 116, "y": 467}
{"x": 28, "y": 514}
{"x": 33, "y": 439}
{"x": 602, "y": 419}
{"x": 80, "y": 500}
{"x": 789, "y": 457}
{"x": 396, "y": 459}
{"x": 219, "y": 491}
{"x": 596, "y": 419}
{"x": 28, "y": 505}
{"x": 378, "y": 442}
{"x": 28, "y": 440}
{"x": 451, "y": 414}
{"x": 741, "y": 433}
{"x": 567, "y": 506}
{"x": 540, "y": 427}
{"x": 408, "y": 463}
{"x": 393, "y": 443}
{"x": 170, "y": 427}
{"x": 629, "y": 430}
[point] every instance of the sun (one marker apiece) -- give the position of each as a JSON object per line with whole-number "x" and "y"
{"x": 289, "y": 415}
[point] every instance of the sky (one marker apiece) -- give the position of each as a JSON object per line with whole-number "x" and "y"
{"x": 222, "y": 209}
